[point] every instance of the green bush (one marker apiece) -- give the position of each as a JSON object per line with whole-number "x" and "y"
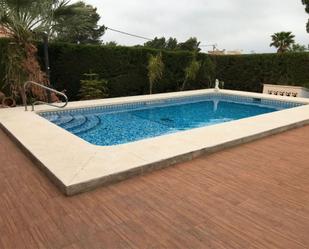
{"x": 125, "y": 69}
{"x": 250, "y": 72}
{"x": 92, "y": 87}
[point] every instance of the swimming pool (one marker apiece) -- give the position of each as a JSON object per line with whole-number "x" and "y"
{"x": 156, "y": 130}
{"x": 120, "y": 124}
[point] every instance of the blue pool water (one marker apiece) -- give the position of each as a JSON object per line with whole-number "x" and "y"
{"x": 127, "y": 123}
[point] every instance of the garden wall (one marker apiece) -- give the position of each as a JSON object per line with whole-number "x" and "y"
{"x": 125, "y": 68}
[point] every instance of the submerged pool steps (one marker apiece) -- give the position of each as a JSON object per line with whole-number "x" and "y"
{"x": 91, "y": 123}
{"x": 77, "y": 121}
{"x": 76, "y": 124}
{"x": 61, "y": 120}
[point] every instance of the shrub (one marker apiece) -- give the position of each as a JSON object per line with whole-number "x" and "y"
{"x": 191, "y": 71}
{"x": 92, "y": 87}
{"x": 155, "y": 69}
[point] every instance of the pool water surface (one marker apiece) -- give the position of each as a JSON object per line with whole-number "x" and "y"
{"x": 110, "y": 126}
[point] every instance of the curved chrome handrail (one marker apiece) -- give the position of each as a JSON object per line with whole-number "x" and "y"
{"x": 42, "y": 102}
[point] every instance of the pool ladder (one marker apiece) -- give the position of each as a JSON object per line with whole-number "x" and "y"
{"x": 42, "y": 102}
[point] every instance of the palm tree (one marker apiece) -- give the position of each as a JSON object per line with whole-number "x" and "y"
{"x": 25, "y": 20}
{"x": 155, "y": 69}
{"x": 282, "y": 41}
{"x": 191, "y": 71}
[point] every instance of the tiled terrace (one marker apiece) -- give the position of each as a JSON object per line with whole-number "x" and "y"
{"x": 252, "y": 196}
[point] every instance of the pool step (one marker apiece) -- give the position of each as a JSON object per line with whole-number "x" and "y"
{"x": 52, "y": 118}
{"x": 92, "y": 122}
{"x": 62, "y": 120}
{"x": 77, "y": 121}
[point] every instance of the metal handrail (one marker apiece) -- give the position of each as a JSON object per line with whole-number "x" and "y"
{"x": 42, "y": 102}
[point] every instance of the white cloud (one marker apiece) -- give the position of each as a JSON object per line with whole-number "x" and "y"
{"x": 232, "y": 24}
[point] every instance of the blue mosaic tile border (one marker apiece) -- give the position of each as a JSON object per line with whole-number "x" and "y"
{"x": 279, "y": 104}
{"x": 260, "y": 101}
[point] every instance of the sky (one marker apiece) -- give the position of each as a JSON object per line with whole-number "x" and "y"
{"x": 231, "y": 24}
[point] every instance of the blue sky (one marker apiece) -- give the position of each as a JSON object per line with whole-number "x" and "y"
{"x": 232, "y": 24}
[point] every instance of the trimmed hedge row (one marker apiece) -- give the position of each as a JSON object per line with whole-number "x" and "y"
{"x": 125, "y": 68}
{"x": 249, "y": 72}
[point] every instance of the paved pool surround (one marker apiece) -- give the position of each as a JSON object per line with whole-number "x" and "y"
{"x": 76, "y": 166}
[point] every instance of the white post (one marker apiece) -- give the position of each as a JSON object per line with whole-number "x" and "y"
{"x": 217, "y": 85}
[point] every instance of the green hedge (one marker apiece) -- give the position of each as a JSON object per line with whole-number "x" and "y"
{"x": 125, "y": 68}
{"x": 249, "y": 72}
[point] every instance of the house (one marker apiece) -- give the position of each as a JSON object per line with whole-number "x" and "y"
{"x": 224, "y": 52}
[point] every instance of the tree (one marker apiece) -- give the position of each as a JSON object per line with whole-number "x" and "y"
{"x": 171, "y": 43}
{"x": 282, "y": 41}
{"x": 191, "y": 71}
{"x": 77, "y": 23}
{"x": 155, "y": 69}
{"x": 192, "y": 44}
{"x": 25, "y": 20}
{"x": 306, "y": 3}
{"x": 158, "y": 43}
{"x": 297, "y": 48}
{"x": 110, "y": 44}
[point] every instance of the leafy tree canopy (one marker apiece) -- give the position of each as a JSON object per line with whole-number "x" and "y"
{"x": 77, "y": 23}
{"x": 171, "y": 43}
{"x": 306, "y": 3}
{"x": 158, "y": 43}
{"x": 192, "y": 44}
{"x": 298, "y": 48}
{"x": 24, "y": 18}
{"x": 110, "y": 44}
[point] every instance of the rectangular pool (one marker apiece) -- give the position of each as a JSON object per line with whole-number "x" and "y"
{"x": 98, "y": 142}
{"x": 123, "y": 123}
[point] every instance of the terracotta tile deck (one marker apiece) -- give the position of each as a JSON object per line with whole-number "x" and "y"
{"x": 251, "y": 196}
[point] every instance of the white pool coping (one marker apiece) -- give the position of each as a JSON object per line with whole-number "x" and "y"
{"x": 77, "y": 166}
